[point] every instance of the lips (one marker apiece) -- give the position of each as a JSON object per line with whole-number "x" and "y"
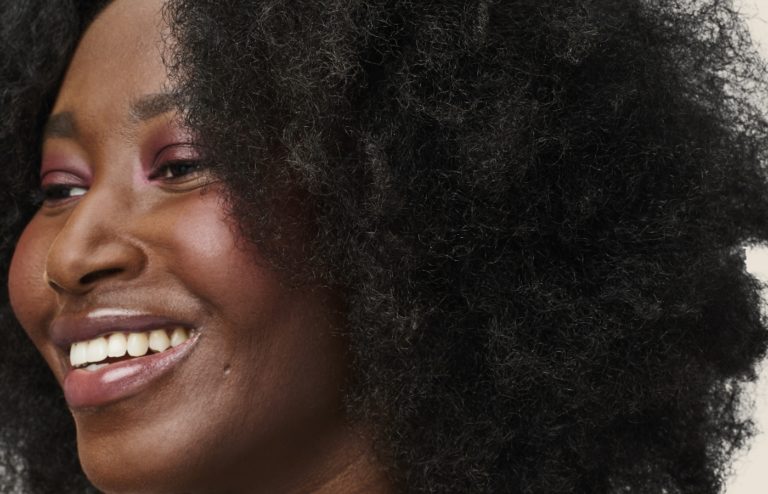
{"x": 65, "y": 330}
{"x": 115, "y": 380}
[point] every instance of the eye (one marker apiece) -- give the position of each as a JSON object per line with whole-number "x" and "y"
{"x": 175, "y": 171}
{"x": 55, "y": 194}
{"x": 180, "y": 167}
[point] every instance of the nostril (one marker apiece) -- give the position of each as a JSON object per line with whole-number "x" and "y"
{"x": 53, "y": 283}
{"x": 97, "y": 275}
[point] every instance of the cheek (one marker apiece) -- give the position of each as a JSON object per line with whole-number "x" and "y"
{"x": 278, "y": 333}
{"x": 214, "y": 264}
{"x": 206, "y": 254}
{"x": 29, "y": 294}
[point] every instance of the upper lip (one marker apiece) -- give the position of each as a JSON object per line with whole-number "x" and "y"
{"x": 68, "y": 329}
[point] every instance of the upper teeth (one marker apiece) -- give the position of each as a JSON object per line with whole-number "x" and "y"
{"x": 118, "y": 344}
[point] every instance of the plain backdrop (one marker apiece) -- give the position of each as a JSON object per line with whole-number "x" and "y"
{"x": 750, "y": 471}
{"x": 750, "y": 475}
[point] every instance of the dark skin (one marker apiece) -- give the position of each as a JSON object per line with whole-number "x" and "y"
{"x": 136, "y": 224}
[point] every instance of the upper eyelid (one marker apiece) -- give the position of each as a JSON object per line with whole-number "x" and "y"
{"x": 177, "y": 146}
{"x": 63, "y": 177}
{"x": 65, "y": 160}
{"x": 175, "y": 152}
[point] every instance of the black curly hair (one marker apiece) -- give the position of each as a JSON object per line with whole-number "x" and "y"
{"x": 534, "y": 209}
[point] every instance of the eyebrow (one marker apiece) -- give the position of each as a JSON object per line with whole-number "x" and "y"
{"x": 60, "y": 125}
{"x": 152, "y": 105}
{"x": 63, "y": 125}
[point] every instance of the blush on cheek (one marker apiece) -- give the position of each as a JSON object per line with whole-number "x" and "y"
{"x": 206, "y": 239}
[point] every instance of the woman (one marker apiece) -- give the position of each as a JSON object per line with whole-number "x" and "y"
{"x": 379, "y": 246}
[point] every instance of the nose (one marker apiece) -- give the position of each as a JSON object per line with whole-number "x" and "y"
{"x": 94, "y": 247}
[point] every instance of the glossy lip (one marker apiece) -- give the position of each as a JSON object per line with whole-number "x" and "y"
{"x": 89, "y": 389}
{"x": 68, "y": 329}
{"x": 120, "y": 380}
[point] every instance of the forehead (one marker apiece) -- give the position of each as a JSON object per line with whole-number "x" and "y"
{"x": 118, "y": 60}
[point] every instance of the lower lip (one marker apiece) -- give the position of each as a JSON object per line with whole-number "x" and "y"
{"x": 115, "y": 382}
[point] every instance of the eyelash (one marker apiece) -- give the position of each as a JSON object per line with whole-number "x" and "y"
{"x": 169, "y": 166}
{"x": 55, "y": 194}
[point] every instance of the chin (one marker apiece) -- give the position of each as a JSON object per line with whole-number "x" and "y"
{"x": 116, "y": 464}
{"x": 113, "y": 474}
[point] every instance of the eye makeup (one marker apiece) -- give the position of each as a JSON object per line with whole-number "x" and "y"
{"x": 61, "y": 178}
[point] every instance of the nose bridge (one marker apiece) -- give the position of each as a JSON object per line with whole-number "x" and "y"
{"x": 94, "y": 245}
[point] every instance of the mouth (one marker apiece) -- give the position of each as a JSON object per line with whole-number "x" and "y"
{"x": 112, "y": 358}
{"x": 102, "y": 351}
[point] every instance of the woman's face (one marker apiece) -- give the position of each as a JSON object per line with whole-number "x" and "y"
{"x": 132, "y": 247}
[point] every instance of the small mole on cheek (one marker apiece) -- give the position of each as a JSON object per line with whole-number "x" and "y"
{"x": 226, "y": 370}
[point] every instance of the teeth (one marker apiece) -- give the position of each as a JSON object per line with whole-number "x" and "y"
{"x": 158, "y": 340}
{"x": 97, "y": 350}
{"x": 117, "y": 345}
{"x": 138, "y": 344}
{"x": 179, "y": 336}
{"x": 78, "y": 354}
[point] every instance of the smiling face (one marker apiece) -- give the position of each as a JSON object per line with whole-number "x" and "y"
{"x": 132, "y": 237}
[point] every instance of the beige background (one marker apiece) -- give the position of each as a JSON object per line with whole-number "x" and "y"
{"x": 751, "y": 469}
{"x": 750, "y": 474}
